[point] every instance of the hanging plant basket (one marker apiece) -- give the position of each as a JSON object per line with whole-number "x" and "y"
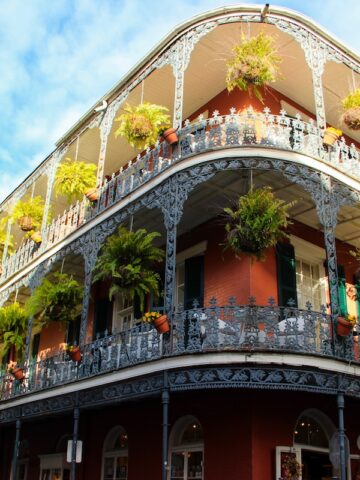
{"x": 343, "y": 327}
{"x": 331, "y": 135}
{"x": 26, "y": 223}
{"x": 162, "y": 324}
{"x": 255, "y": 64}
{"x": 170, "y": 135}
{"x": 351, "y": 106}
{"x": 256, "y": 222}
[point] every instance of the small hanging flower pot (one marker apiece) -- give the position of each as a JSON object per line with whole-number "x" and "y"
{"x": 162, "y": 324}
{"x": 74, "y": 353}
{"x": 92, "y": 194}
{"x": 36, "y": 237}
{"x": 331, "y": 134}
{"x": 18, "y": 373}
{"x": 351, "y": 106}
{"x": 170, "y": 136}
{"x": 344, "y": 327}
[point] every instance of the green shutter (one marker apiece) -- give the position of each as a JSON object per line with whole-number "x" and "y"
{"x": 357, "y": 298}
{"x": 194, "y": 281}
{"x": 286, "y": 273}
{"x": 342, "y": 291}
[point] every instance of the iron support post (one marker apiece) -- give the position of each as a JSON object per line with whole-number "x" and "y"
{"x": 74, "y": 443}
{"x": 16, "y": 449}
{"x": 165, "y": 399}
{"x": 340, "y": 405}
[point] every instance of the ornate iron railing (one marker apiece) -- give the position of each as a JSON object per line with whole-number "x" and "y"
{"x": 236, "y": 130}
{"x": 231, "y": 328}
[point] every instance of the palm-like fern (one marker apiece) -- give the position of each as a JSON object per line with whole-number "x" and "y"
{"x": 13, "y": 327}
{"x": 58, "y": 299}
{"x": 127, "y": 260}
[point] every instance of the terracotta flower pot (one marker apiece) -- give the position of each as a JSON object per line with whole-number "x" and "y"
{"x": 92, "y": 194}
{"x": 75, "y": 354}
{"x": 170, "y": 136}
{"x": 343, "y": 327}
{"x": 162, "y": 324}
{"x": 351, "y": 118}
{"x": 330, "y": 138}
{"x": 26, "y": 223}
{"x": 36, "y": 237}
{"x": 18, "y": 373}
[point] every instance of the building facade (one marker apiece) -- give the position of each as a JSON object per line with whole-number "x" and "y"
{"x": 253, "y": 379}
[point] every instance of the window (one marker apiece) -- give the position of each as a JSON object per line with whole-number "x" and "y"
{"x": 190, "y": 276}
{"x": 115, "y": 455}
{"x": 311, "y": 280}
{"x": 187, "y": 450}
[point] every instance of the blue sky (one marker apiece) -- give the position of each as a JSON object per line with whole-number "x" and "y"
{"x": 57, "y": 58}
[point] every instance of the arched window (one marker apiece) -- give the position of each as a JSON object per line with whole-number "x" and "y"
{"x": 187, "y": 449}
{"x": 115, "y": 455}
{"x": 314, "y": 429}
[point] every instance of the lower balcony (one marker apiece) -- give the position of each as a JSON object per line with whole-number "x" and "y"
{"x": 231, "y": 328}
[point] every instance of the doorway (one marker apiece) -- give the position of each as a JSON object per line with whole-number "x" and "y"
{"x": 316, "y": 465}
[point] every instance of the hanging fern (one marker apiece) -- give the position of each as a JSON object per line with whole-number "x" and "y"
{"x": 351, "y": 106}
{"x": 33, "y": 207}
{"x": 74, "y": 178}
{"x": 3, "y": 236}
{"x": 255, "y": 64}
{"x": 127, "y": 260}
{"x": 256, "y": 222}
{"x": 141, "y": 125}
{"x": 57, "y": 299}
{"x": 13, "y": 328}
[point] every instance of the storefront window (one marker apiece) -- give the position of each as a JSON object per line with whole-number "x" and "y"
{"x": 115, "y": 457}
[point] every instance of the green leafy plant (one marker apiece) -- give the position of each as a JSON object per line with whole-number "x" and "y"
{"x": 33, "y": 208}
{"x": 13, "y": 328}
{"x": 255, "y": 64}
{"x": 73, "y": 179}
{"x": 141, "y": 125}
{"x": 57, "y": 299}
{"x": 351, "y": 106}
{"x": 127, "y": 260}
{"x": 256, "y": 222}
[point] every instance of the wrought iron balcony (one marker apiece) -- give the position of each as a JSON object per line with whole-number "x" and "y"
{"x": 230, "y": 328}
{"x": 236, "y": 130}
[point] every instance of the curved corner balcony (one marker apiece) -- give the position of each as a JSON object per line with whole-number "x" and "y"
{"x": 238, "y": 331}
{"x": 247, "y": 129}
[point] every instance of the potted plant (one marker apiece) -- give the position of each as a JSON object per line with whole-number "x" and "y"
{"x": 142, "y": 124}
{"x": 255, "y": 64}
{"x": 17, "y": 372}
{"x": 74, "y": 352}
{"x": 159, "y": 321}
{"x": 331, "y": 134}
{"x": 29, "y": 213}
{"x": 75, "y": 179}
{"x": 345, "y": 325}
{"x": 351, "y": 106}
{"x": 127, "y": 260}
{"x": 13, "y": 329}
{"x": 57, "y": 299}
{"x": 169, "y": 135}
{"x": 256, "y": 222}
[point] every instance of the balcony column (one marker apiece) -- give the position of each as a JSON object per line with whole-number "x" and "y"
{"x": 51, "y": 170}
{"x": 165, "y": 400}
{"x": 74, "y": 443}
{"x": 105, "y": 129}
{"x": 341, "y": 430}
{"x": 7, "y": 241}
{"x": 16, "y": 450}
{"x": 85, "y": 306}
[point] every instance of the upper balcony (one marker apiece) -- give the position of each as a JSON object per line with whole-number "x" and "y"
{"x": 244, "y": 134}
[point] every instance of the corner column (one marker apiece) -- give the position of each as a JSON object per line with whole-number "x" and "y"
{"x": 74, "y": 443}
{"x": 341, "y": 430}
{"x": 16, "y": 450}
{"x": 165, "y": 400}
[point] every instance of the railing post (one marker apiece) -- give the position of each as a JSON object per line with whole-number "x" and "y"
{"x": 340, "y": 406}
{"x": 16, "y": 449}
{"x": 74, "y": 443}
{"x": 165, "y": 400}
